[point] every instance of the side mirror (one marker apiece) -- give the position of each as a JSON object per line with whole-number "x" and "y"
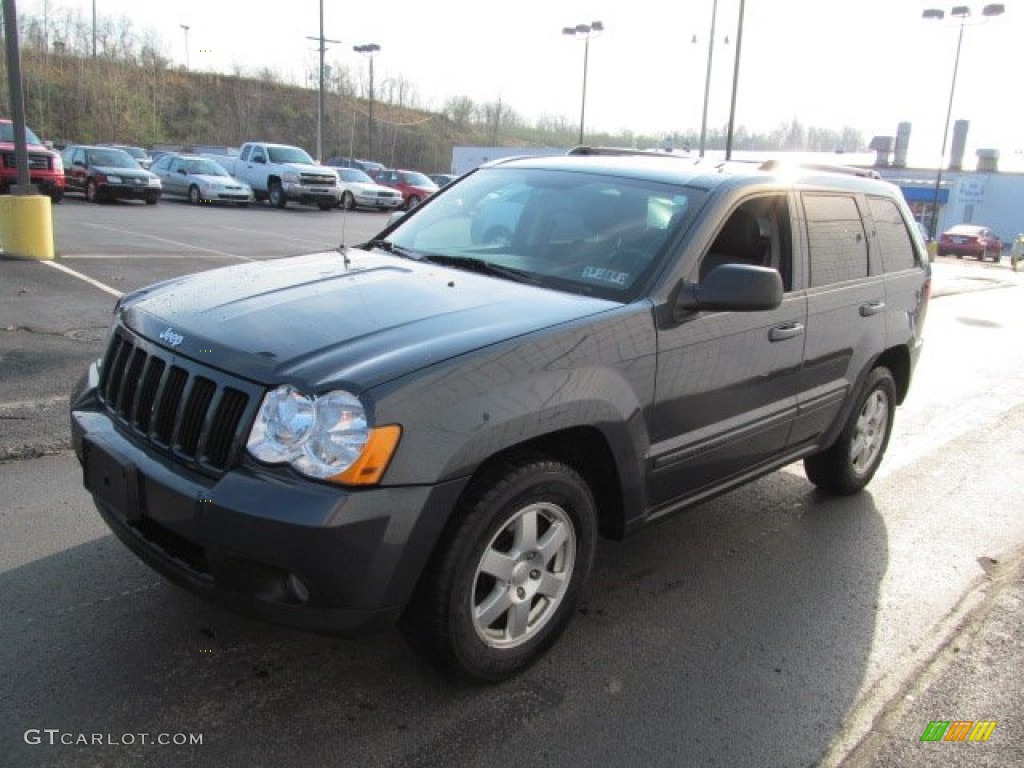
{"x": 733, "y": 288}
{"x": 183, "y": 171}
{"x": 260, "y": 160}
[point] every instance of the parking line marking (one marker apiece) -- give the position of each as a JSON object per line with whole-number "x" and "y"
{"x": 85, "y": 278}
{"x": 148, "y": 256}
{"x": 172, "y": 242}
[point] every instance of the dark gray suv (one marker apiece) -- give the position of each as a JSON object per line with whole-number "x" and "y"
{"x": 434, "y": 427}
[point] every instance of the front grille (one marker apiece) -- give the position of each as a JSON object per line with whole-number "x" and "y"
{"x": 320, "y": 180}
{"x": 36, "y": 162}
{"x": 194, "y": 412}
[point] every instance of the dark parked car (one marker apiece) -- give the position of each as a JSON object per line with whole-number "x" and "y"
{"x": 971, "y": 240}
{"x": 442, "y": 179}
{"x": 200, "y": 180}
{"x": 140, "y": 155}
{"x": 434, "y": 429}
{"x": 414, "y": 186}
{"x": 106, "y": 173}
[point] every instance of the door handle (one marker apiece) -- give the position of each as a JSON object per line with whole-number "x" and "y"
{"x": 871, "y": 308}
{"x": 783, "y": 332}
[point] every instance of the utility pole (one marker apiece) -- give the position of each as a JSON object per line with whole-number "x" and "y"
{"x": 186, "y": 27}
{"x": 320, "y": 100}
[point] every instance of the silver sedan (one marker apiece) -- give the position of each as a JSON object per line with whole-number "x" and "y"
{"x": 200, "y": 180}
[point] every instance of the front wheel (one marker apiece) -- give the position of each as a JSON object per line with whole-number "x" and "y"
{"x": 92, "y": 192}
{"x": 276, "y": 195}
{"x": 348, "y": 201}
{"x": 193, "y": 195}
{"x": 509, "y": 573}
{"x": 152, "y": 199}
{"x": 851, "y": 462}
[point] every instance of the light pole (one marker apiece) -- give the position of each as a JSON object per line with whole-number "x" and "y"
{"x": 186, "y": 28}
{"x": 707, "y": 78}
{"x": 735, "y": 82}
{"x": 94, "y": 29}
{"x": 584, "y": 31}
{"x": 369, "y": 49}
{"x": 963, "y": 13}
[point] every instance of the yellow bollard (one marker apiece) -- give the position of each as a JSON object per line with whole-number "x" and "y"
{"x": 26, "y": 226}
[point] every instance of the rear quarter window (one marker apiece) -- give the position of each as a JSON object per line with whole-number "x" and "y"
{"x": 836, "y": 239}
{"x": 893, "y": 236}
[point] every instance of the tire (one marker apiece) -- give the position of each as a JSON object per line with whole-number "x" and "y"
{"x": 92, "y": 192}
{"x": 850, "y": 463}
{"x": 348, "y": 201}
{"x": 193, "y": 195}
{"x": 412, "y": 202}
{"x": 152, "y": 199}
{"x": 242, "y": 205}
{"x": 521, "y": 543}
{"x": 56, "y": 197}
{"x": 276, "y": 195}
{"x": 325, "y": 206}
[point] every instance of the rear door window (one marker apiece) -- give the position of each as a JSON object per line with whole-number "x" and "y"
{"x": 892, "y": 235}
{"x": 836, "y": 239}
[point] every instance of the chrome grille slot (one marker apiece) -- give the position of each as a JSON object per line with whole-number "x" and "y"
{"x": 195, "y": 413}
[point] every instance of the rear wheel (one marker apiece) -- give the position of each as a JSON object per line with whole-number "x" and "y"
{"x": 412, "y": 202}
{"x": 851, "y": 462}
{"x": 509, "y": 573}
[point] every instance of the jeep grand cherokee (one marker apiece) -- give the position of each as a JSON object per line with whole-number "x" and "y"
{"x": 435, "y": 427}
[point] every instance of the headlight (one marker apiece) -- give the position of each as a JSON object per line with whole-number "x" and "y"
{"x": 154, "y": 182}
{"x": 114, "y": 179}
{"x": 323, "y": 437}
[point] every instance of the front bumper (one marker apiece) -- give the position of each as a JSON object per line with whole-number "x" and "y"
{"x": 373, "y": 201}
{"x": 265, "y": 543}
{"x": 312, "y": 194}
{"x": 129, "y": 191}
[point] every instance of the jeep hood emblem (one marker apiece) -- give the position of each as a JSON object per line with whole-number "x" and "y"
{"x": 172, "y": 338}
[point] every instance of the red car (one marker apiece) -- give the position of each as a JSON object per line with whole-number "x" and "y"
{"x": 414, "y": 186}
{"x": 971, "y": 240}
{"x": 45, "y": 169}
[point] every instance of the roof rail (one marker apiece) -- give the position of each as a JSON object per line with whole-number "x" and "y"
{"x": 849, "y": 170}
{"x": 624, "y": 151}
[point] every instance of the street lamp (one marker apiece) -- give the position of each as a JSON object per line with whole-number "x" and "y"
{"x": 707, "y": 78}
{"x": 963, "y": 13}
{"x": 584, "y": 31}
{"x": 369, "y": 49}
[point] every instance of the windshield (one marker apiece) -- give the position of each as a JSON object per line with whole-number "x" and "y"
{"x": 354, "y": 174}
{"x": 204, "y": 167}
{"x": 580, "y": 232}
{"x": 7, "y": 134}
{"x": 417, "y": 179}
{"x": 112, "y": 158}
{"x": 289, "y": 155}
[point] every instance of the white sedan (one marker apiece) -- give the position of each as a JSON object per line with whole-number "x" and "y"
{"x": 360, "y": 191}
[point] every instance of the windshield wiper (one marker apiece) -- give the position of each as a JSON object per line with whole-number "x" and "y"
{"x": 480, "y": 266}
{"x": 397, "y": 250}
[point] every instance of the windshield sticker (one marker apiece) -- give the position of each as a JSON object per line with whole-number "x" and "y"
{"x": 606, "y": 275}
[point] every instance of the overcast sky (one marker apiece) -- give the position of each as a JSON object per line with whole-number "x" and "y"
{"x": 868, "y": 64}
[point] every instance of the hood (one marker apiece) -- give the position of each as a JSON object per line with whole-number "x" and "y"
{"x": 366, "y": 186}
{"x": 311, "y": 321}
{"x": 227, "y": 181}
{"x": 308, "y": 168}
{"x": 113, "y": 170}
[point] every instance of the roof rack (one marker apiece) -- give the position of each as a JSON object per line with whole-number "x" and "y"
{"x": 849, "y": 170}
{"x": 624, "y": 151}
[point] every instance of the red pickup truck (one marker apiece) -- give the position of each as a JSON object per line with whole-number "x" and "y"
{"x": 45, "y": 167}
